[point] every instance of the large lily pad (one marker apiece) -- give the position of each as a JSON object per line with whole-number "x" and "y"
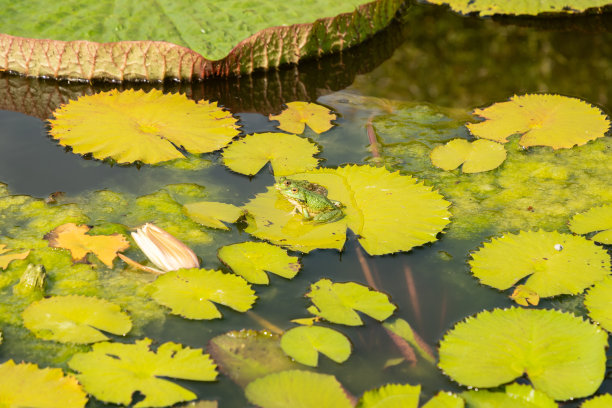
{"x": 593, "y": 220}
{"x": 598, "y": 301}
{"x": 600, "y": 401}
{"x": 267, "y": 34}
{"x": 389, "y": 212}
{"x": 391, "y": 396}
{"x": 304, "y": 344}
{"x": 211, "y": 214}
{"x": 112, "y": 372}
{"x": 528, "y": 7}
{"x": 563, "y": 356}
{"x": 514, "y": 396}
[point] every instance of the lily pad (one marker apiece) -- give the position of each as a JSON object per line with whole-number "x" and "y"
{"x": 401, "y": 328}
{"x": 389, "y": 212}
{"x": 297, "y": 389}
{"x": 75, "y": 319}
{"x": 191, "y": 292}
{"x": 542, "y": 120}
{"x": 6, "y": 259}
{"x": 288, "y": 154}
{"x": 445, "y": 400}
{"x": 480, "y": 155}
{"x": 491, "y": 7}
{"x": 515, "y": 396}
{"x": 147, "y": 127}
{"x": 299, "y": 114}
{"x": 304, "y": 344}
{"x": 251, "y": 259}
{"x": 600, "y": 401}
{"x": 563, "y": 355}
{"x": 550, "y": 258}
{"x": 212, "y": 214}
{"x": 391, "y": 396}
{"x": 338, "y": 302}
{"x": 595, "y": 219}
{"x": 112, "y": 372}
{"x": 598, "y": 301}
{"x": 26, "y": 385}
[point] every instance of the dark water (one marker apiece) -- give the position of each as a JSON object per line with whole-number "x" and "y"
{"x": 432, "y": 56}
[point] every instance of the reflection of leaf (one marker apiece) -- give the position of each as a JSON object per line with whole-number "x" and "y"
{"x": 543, "y": 120}
{"x": 391, "y": 396}
{"x": 191, "y": 292}
{"x": 338, "y": 302}
{"x": 211, "y": 214}
{"x": 388, "y": 212}
{"x": 480, "y": 155}
{"x": 112, "y": 372}
{"x": 75, "y": 319}
{"x": 246, "y": 355}
{"x": 595, "y": 219}
{"x": 251, "y": 259}
{"x": 74, "y": 238}
{"x": 6, "y": 259}
{"x": 26, "y": 385}
{"x": 304, "y": 344}
{"x": 515, "y": 396}
{"x": 141, "y": 126}
{"x": 598, "y": 301}
{"x": 600, "y": 401}
{"x": 490, "y": 7}
{"x": 288, "y": 154}
{"x": 299, "y": 114}
{"x": 551, "y": 259}
{"x": 561, "y": 354}
{"x": 297, "y": 389}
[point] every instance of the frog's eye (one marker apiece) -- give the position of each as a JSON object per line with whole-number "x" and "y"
{"x": 294, "y": 190}
{"x": 287, "y": 183}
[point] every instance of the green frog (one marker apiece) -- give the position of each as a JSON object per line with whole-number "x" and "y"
{"x": 308, "y": 202}
{"x": 32, "y": 282}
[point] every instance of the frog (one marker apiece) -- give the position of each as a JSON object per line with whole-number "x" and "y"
{"x": 312, "y": 205}
{"x": 32, "y": 282}
{"x": 286, "y": 183}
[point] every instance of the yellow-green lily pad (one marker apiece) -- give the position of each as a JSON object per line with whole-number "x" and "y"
{"x": 299, "y": 114}
{"x": 598, "y": 301}
{"x": 561, "y": 354}
{"x": 287, "y": 153}
{"x": 338, "y": 302}
{"x": 391, "y": 396}
{"x": 112, "y": 372}
{"x": 593, "y": 220}
{"x": 304, "y": 344}
{"x": 480, "y": 155}
{"x": 600, "y": 401}
{"x": 514, "y": 396}
{"x": 191, "y": 292}
{"x": 445, "y": 400}
{"x": 212, "y": 214}
{"x": 491, "y": 7}
{"x": 75, "y": 319}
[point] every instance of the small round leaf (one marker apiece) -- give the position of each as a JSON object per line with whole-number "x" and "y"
{"x": 304, "y": 343}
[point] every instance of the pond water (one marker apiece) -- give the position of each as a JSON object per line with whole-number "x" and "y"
{"x": 443, "y": 66}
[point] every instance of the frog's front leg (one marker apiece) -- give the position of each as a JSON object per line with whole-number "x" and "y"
{"x": 305, "y": 213}
{"x": 329, "y": 216}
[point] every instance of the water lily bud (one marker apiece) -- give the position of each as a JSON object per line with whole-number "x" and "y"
{"x": 163, "y": 249}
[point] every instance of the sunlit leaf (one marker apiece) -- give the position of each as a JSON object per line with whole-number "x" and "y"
{"x": 26, "y": 385}
{"x": 445, "y": 400}
{"x": 338, "y": 302}
{"x": 299, "y": 114}
{"x": 480, "y": 155}
{"x": 391, "y": 396}
{"x": 297, "y": 389}
{"x": 490, "y": 7}
{"x": 6, "y": 259}
{"x": 402, "y": 328}
{"x": 112, "y": 372}
{"x": 246, "y": 355}
{"x": 542, "y": 120}
{"x": 563, "y": 355}
{"x": 524, "y": 296}
{"x": 75, "y": 319}
{"x": 304, "y": 344}
{"x": 600, "y": 401}
{"x": 515, "y": 396}
{"x": 550, "y": 259}
{"x": 212, "y": 214}
{"x": 141, "y": 126}
{"x": 387, "y": 211}
{"x": 288, "y": 154}
{"x": 251, "y": 259}
{"x": 191, "y": 292}
{"x": 79, "y": 243}
{"x": 595, "y": 219}
{"x": 598, "y": 301}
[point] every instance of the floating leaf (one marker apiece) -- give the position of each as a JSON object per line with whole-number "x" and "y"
{"x": 389, "y": 212}
{"x": 551, "y": 258}
{"x": 338, "y": 302}
{"x": 445, "y": 400}
{"x": 212, "y": 214}
{"x": 595, "y": 219}
{"x": 75, "y": 319}
{"x": 600, "y": 401}
{"x": 480, "y": 155}
{"x": 598, "y": 301}
{"x": 288, "y": 154}
{"x": 525, "y": 296}
{"x": 74, "y": 238}
{"x": 191, "y": 292}
{"x": 515, "y": 396}
{"x": 26, "y": 385}
{"x": 246, "y": 355}
{"x": 297, "y": 389}
{"x": 149, "y": 127}
{"x": 251, "y": 259}
{"x": 112, "y": 372}
{"x": 304, "y": 344}
{"x": 490, "y": 7}
{"x": 299, "y": 114}
{"x": 6, "y": 259}
{"x": 562, "y": 355}
{"x": 402, "y": 328}
{"x": 391, "y": 396}
{"x": 542, "y": 120}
